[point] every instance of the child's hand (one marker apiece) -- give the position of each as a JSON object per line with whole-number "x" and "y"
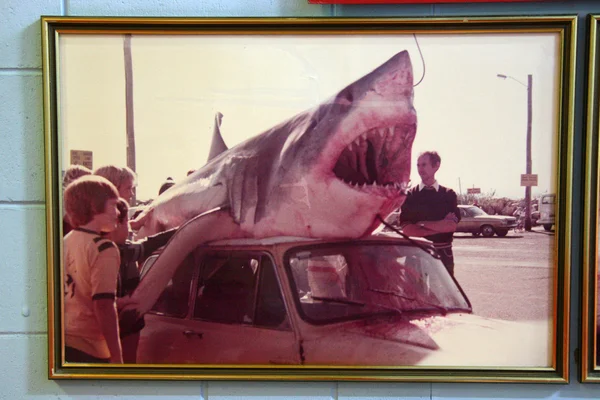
{"x": 126, "y": 302}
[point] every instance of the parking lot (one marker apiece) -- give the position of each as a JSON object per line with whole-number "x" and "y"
{"x": 508, "y": 278}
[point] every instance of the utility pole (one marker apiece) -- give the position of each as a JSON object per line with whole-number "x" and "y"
{"x": 528, "y": 151}
{"x": 529, "y": 87}
{"x": 129, "y": 107}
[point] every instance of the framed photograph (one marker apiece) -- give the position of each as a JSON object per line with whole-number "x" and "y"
{"x": 309, "y": 199}
{"x": 590, "y": 370}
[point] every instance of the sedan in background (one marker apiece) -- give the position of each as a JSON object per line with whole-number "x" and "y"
{"x": 476, "y": 221}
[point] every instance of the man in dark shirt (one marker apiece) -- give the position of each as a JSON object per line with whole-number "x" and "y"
{"x": 430, "y": 209}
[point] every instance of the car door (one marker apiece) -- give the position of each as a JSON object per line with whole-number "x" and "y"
{"x": 237, "y": 315}
{"x": 466, "y": 223}
{"x": 165, "y": 322}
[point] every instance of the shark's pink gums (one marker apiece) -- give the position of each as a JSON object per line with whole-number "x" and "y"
{"x": 327, "y": 172}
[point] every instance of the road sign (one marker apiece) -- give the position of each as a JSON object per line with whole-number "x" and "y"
{"x": 473, "y": 190}
{"x": 529, "y": 180}
{"x": 82, "y": 157}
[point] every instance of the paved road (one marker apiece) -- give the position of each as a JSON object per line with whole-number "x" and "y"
{"x": 507, "y": 278}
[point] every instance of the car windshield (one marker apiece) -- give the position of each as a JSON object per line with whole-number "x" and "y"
{"x": 548, "y": 200}
{"x": 475, "y": 212}
{"x": 344, "y": 281}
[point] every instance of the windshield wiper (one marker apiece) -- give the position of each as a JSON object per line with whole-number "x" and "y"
{"x": 429, "y": 250}
{"x": 340, "y": 300}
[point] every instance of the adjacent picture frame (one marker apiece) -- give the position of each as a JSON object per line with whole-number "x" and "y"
{"x": 589, "y": 369}
{"x": 161, "y": 90}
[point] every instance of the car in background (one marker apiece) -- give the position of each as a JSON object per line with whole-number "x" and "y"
{"x": 381, "y": 301}
{"x": 477, "y": 222}
{"x": 546, "y": 208}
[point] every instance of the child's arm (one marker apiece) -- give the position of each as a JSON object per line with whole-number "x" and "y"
{"x": 152, "y": 243}
{"x": 106, "y": 315}
{"x": 140, "y": 250}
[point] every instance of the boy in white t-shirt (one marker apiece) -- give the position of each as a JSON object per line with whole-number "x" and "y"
{"x": 91, "y": 271}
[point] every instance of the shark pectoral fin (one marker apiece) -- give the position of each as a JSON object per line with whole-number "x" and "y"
{"x": 212, "y": 225}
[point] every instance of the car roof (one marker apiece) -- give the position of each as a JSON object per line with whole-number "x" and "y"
{"x": 270, "y": 241}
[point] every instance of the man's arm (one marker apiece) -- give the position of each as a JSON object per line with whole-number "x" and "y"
{"x": 426, "y": 228}
{"x": 417, "y": 229}
{"x": 106, "y": 315}
{"x": 448, "y": 224}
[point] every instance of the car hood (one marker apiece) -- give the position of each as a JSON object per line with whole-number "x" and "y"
{"x": 451, "y": 340}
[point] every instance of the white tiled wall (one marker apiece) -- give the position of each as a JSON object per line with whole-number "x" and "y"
{"x": 23, "y": 340}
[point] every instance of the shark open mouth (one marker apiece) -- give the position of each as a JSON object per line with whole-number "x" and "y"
{"x": 369, "y": 162}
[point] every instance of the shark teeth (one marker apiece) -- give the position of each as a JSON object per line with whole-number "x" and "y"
{"x": 370, "y": 161}
{"x": 389, "y": 189}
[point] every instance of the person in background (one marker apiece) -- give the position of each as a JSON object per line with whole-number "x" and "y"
{"x": 166, "y": 185}
{"x": 130, "y": 324}
{"x": 91, "y": 271}
{"x": 72, "y": 173}
{"x": 122, "y": 177}
{"x": 431, "y": 210}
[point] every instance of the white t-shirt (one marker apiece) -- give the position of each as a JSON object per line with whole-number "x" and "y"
{"x": 91, "y": 271}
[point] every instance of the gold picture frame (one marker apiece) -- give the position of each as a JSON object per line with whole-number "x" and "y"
{"x": 589, "y": 370}
{"x": 84, "y": 92}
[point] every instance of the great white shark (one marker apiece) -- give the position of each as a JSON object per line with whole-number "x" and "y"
{"x": 326, "y": 172}
{"x": 330, "y": 172}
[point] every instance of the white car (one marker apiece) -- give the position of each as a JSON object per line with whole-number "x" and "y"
{"x": 378, "y": 301}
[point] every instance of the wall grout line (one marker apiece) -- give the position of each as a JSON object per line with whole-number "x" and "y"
{"x": 23, "y": 333}
{"x": 20, "y": 203}
{"x": 20, "y": 71}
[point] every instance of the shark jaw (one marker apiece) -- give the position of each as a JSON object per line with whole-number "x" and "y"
{"x": 369, "y": 152}
{"x": 368, "y": 179}
{"x": 367, "y": 164}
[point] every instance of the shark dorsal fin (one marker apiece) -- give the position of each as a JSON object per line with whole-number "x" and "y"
{"x": 218, "y": 145}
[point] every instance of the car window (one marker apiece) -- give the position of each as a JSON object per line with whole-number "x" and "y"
{"x": 338, "y": 281}
{"x": 147, "y": 265}
{"x": 475, "y": 212}
{"x": 225, "y": 291}
{"x": 463, "y": 213}
{"x": 240, "y": 289}
{"x": 270, "y": 307}
{"x": 174, "y": 299}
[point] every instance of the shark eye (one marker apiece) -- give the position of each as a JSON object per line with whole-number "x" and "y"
{"x": 345, "y": 97}
{"x": 311, "y": 125}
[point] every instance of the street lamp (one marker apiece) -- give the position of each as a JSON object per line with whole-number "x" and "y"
{"x": 527, "y": 147}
